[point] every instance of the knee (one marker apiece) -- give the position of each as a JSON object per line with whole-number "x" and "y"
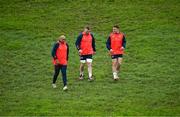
{"x": 119, "y": 63}
{"x": 82, "y": 65}
{"x": 64, "y": 72}
{"x": 89, "y": 64}
{"x": 113, "y": 63}
{"x": 56, "y": 73}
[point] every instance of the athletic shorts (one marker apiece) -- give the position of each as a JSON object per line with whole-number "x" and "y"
{"x": 116, "y": 56}
{"x": 86, "y": 58}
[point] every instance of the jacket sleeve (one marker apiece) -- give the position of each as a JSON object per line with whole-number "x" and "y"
{"x": 108, "y": 43}
{"x": 124, "y": 42}
{"x": 78, "y": 41}
{"x": 67, "y": 52}
{"x": 93, "y": 43}
{"x": 53, "y": 52}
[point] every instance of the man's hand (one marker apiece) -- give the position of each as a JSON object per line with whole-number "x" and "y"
{"x": 57, "y": 61}
{"x": 111, "y": 51}
{"x": 94, "y": 53}
{"x": 80, "y": 51}
{"x": 122, "y": 48}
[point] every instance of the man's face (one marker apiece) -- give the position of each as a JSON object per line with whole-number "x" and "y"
{"x": 115, "y": 30}
{"x": 86, "y": 30}
{"x": 62, "y": 40}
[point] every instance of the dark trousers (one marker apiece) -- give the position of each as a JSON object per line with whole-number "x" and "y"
{"x": 57, "y": 68}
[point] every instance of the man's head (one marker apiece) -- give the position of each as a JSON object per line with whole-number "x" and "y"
{"x": 62, "y": 38}
{"x": 115, "y": 29}
{"x": 87, "y": 30}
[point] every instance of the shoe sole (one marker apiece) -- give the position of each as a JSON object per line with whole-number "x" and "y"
{"x": 80, "y": 78}
{"x": 116, "y": 79}
{"x": 90, "y": 80}
{"x": 65, "y": 89}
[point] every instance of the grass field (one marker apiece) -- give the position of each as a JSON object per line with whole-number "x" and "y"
{"x": 150, "y": 78}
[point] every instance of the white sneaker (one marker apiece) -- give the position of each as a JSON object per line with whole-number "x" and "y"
{"x": 54, "y": 86}
{"x": 65, "y": 88}
{"x": 116, "y": 78}
{"x": 81, "y": 77}
{"x": 90, "y": 79}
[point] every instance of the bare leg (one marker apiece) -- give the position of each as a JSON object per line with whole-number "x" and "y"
{"x": 114, "y": 68}
{"x": 81, "y": 69}
{"x": 89, "y": 64}
{"x": 119, "y": 64}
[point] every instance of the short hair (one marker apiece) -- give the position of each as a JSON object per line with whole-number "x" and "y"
{"x": 87, "y": 27}
{"x": 62, "y": 37}
{"x": 116, "y": 26}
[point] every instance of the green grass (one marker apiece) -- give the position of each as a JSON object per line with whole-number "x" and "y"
{"x": 149, "y": 84}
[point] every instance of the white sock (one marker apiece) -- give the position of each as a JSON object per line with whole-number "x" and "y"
{"x": 115, "y": 74}
{"x": 82, "y": 73}
{"x": 90, "y": 75}
{"x": 90, "y": 71}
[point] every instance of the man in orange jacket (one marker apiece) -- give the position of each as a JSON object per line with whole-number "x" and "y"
{"x": 60, "y": 54}
{"x": 116, "y": 44}
{"x": 85, "y": 44}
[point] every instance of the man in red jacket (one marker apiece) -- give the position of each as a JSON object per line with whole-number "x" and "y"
{"x": 85, "y": 44}
{"x": 116, "y": 44}
{"x": 60, "y": 54}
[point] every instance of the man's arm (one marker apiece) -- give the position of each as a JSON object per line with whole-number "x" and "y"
{"x": 78, "y": 41}
{"x": 93, "y": 43}
{"x": 124, "y": 42}
{"x": 53, "y": 52}
{"x": 108, "y": 43}
{"x": 67, "y": 52}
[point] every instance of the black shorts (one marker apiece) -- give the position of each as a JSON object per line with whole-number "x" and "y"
{"x": 84, "y": 57}
{"x": 116, "y": 56}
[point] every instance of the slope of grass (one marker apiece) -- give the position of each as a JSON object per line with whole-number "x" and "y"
{"x": 149, "y": 84}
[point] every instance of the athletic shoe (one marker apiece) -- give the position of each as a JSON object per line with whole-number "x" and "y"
{"x": 116, "y": 78}
{"x": 54, "y": 86}
{"x": 81, "y": 77}
{"x": 90, "y": 79}
{"x": 65, "y": 88}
